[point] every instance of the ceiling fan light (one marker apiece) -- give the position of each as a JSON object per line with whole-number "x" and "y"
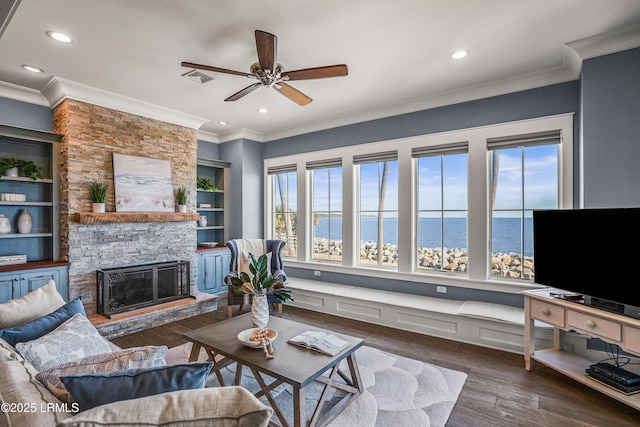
{"x": 32, "y": 68}
{"x": 61, "y": 37}
{"x": 223, "y": 122}
{"x": 459, "y": 54}
{"x": 262, "y": 110}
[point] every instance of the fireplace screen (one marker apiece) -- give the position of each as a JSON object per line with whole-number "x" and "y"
{"x": 129, "y": 288}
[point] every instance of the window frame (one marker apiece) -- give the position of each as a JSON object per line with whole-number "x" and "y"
{"x": 478, "y": 276}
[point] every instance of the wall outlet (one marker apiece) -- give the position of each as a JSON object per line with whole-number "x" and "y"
{"x": 441, "y": 289}
{"x": 317, "y": 273}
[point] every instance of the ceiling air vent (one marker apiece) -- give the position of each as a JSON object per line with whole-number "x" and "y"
{"x": 197, "y": 76}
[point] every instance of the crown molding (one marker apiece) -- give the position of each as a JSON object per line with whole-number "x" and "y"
{"x": 57, "y": 89}
{"x": 242, "y": 133}
{"x": 606, "y": 43}
{"x": 203, "y": 135}
{"x": 21, "y": 93}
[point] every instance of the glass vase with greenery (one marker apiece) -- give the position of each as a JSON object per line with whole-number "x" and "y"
{"x": 260, "y": 282}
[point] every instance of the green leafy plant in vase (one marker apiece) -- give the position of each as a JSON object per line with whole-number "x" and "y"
{"x": 205, "y": 184}
{"x": 98, "y": 194}
{"x": 259, "y": 284}
{"x": 27, "y": 167}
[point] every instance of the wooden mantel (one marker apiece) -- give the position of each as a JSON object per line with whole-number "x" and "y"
{"x": 106, "y": 217}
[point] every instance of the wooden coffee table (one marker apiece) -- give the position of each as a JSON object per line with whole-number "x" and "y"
{"x": 291, "y": 364}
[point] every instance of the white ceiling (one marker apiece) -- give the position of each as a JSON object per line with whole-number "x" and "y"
{"x": 397, "y": 53}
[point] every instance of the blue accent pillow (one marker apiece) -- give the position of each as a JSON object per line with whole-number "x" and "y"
{"x": 91, "y": 390}
{"x": 42, "y": 325}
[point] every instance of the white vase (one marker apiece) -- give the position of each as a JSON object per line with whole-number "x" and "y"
{"x": 202, "y": 222}
{"x": 5, "y": 225}
{"x": 260, "y": 311}
{"x": 24, "y": 222}
{"x": 98, "y": 207}
{"x": 182, "y": 208}
{"x": 13, "y": 172}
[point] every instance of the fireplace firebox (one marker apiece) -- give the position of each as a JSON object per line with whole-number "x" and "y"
{"x": 129, "y": 288}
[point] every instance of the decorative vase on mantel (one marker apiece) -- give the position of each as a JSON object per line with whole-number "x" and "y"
{"x": 182, "y": 208}
{"x": 260, "y": 311}
{"x": 98, "y": 207}
{"x": 25, "y": 222}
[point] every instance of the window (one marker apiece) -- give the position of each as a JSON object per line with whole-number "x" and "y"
{"x": 378, "y": 208}
{"x": 450, "y": 208}
{"x": 285, "y": 206}
{"x": 524, "y": 177}
{"x": 442, "y": 208}
{"x": 327, "y": 210}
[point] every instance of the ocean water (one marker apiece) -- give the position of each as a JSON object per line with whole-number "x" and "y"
{"x": 507, "y": 232}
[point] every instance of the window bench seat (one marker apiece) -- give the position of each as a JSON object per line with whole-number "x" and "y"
{"x": 486, "y": 324}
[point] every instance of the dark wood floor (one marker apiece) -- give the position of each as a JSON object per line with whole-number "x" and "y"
{"x": 498, "y": 391}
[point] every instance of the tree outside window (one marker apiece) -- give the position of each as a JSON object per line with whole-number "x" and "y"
{"x": 284, "y": 216}
{"x": 379, "y": 213}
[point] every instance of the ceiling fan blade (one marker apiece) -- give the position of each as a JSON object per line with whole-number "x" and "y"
{"x": 216, "y": 69}
{"x": 317, "y": 72}
{"x": 247, "y": 90}
{"x": 293, "y": 94}
{"x": 267, "y": 48}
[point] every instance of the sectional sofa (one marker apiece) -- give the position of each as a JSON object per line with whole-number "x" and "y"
{"x": 56, "y": 370}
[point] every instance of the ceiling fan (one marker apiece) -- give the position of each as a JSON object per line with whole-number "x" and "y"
{"x": 270, "y": 73}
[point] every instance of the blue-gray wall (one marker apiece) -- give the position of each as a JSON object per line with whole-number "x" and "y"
{"x": 25, "y": 115}
{"x": 245, "y": 188}
{"x": 611, "y": 130}
{"x": 208, "y": 150}
{"x": 545, "y": 101}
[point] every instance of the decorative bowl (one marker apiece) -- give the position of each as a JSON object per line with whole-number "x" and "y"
{"x": 209, "y": 244}
{"x": 244, "y": 336}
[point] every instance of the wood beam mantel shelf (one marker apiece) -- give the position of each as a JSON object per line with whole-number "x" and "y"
{"x": 107, "y": 217}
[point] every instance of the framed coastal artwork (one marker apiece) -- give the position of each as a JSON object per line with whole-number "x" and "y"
{"x": 142, "y": 184}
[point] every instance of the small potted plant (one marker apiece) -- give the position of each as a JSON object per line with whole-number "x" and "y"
{"x": 10, "y": 167}
{"x": 98, "y": 194}
{"x": 181, "y": 199}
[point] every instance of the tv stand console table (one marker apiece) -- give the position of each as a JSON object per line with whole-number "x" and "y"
{"x": 565, "y": 315}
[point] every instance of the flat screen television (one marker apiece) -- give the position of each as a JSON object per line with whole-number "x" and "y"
{"x": 592, "y": 252}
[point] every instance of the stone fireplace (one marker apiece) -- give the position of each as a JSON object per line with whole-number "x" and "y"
{"x": 91, "y": 134}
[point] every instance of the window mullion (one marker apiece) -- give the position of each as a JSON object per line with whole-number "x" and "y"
{"x": 406, "y": 211}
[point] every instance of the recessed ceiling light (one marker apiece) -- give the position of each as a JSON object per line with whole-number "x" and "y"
{"x": 262, "y": 110}
{"x": 459, "y": 54}
{"x": 222, "y": 122}
{"x": 33, "y": 69}
{"x": 61, "y": 37}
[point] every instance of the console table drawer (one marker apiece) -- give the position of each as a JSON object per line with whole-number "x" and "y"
{"x": 632, "y": 339}
{"x": 547, "y": 313}
{"x": 594, "y": 325}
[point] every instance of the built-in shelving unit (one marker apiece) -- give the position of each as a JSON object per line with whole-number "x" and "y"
{"x": 212, "y": 204}
{"x": 41, "y": 245}
{"x": 42, "y": 148}
{"x": 213, "y": 263}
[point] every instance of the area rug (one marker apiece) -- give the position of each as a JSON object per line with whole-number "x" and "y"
{"x": 398, "y": 391}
